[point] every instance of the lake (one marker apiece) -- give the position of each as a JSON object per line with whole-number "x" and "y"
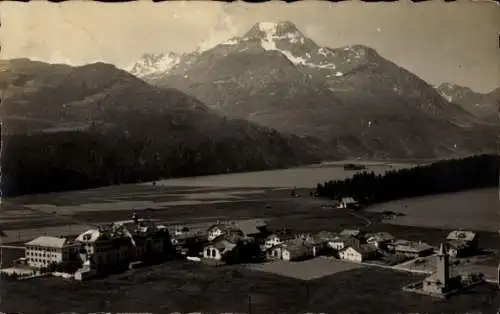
{"x": 299, "y": 177}
{"x": 474, "y": 209}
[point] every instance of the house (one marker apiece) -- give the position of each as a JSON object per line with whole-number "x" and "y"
{"x": 180, "y": 230}
{"x": 219, "y": 246}
{"x": 43, "y": 251}
{"x": 222, "y": 228}
{"x": 465, "y": 241}
{"x": 275, "y": 252}
{"x": 343, "y": 241}
{"x": 349, "y": 203}
{"x": 380, "y": 239}
{"x": 412, "y": 249}
{"x": 277, "y": 238}
{"x": 358, "y": 253}
{"x": 297, "y": 251}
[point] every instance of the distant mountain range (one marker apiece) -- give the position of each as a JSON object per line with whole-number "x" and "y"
{"x": 96, "y": 124}
{"x": 349, "y": 97}
{"x": 484, "y": 106}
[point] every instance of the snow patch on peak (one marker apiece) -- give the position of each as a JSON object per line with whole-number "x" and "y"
{"x": 339, "y": 74}
{"x": 230, "y": 42}
{"x": 151, "y": 64}
{"x": 268, "y": 27}
{"x": 446, "y": 96}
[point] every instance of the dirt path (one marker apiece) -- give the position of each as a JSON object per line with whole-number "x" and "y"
{"x": 368, "y": 221}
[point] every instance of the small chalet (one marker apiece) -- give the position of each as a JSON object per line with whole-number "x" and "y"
{"x": 349, "y": 203}
{"x": 380, "y": 239}
{"x": 223, "y": 228}
{"x": 220, "y": 246}
{"x": 298, "y": 251}
{"x": 275, "y": 252}
{"x": 358, "y": 253}
{"x": 343, "y": 241}
{"x": 278, "y": 237}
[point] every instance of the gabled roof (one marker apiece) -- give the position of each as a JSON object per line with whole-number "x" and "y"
{"x": 52, "y": 242}
{"x": 224, "y": 246}
{"x": 461, "y": 235}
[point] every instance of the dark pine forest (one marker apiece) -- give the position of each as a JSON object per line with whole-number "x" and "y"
{"x": 441, "y": 177}
{"x": 63, "y": 161}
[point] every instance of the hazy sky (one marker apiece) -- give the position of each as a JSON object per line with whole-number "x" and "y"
{"x": 440, "y": 42}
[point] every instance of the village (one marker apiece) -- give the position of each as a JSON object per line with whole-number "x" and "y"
{"x": 138, "y": 242}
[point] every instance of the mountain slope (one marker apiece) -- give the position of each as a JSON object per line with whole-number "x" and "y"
{"x": 351, "y": 97}
{"x": 59, "y": 119}
{"x": 481, "y": 105}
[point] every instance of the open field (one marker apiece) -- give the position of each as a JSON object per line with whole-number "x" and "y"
{"x": 194, "y": 287}
{"x": 306, "y": 270}
{"x": 475, "y": 209}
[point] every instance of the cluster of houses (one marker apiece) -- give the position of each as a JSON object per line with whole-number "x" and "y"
{"x": 120, "y": 245}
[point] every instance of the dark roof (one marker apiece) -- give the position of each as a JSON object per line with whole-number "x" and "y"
{"x": 363, "y": 249}
{"x": 249, "y": 227}
{"x": 297, "y": 248}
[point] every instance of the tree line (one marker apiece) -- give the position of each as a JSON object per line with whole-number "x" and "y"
{"x": 441, "y": 177}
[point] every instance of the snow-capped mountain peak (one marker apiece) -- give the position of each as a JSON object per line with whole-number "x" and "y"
{"x": 285, "y": 38}
{"x": 154, "y": 64}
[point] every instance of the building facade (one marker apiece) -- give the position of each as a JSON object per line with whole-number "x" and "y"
{"x": 43, "y": 251}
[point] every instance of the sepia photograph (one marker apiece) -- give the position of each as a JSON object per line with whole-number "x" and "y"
{"x": 260, "y": 158}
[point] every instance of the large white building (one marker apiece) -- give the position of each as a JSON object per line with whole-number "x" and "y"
{"x": 42, "y": 251}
